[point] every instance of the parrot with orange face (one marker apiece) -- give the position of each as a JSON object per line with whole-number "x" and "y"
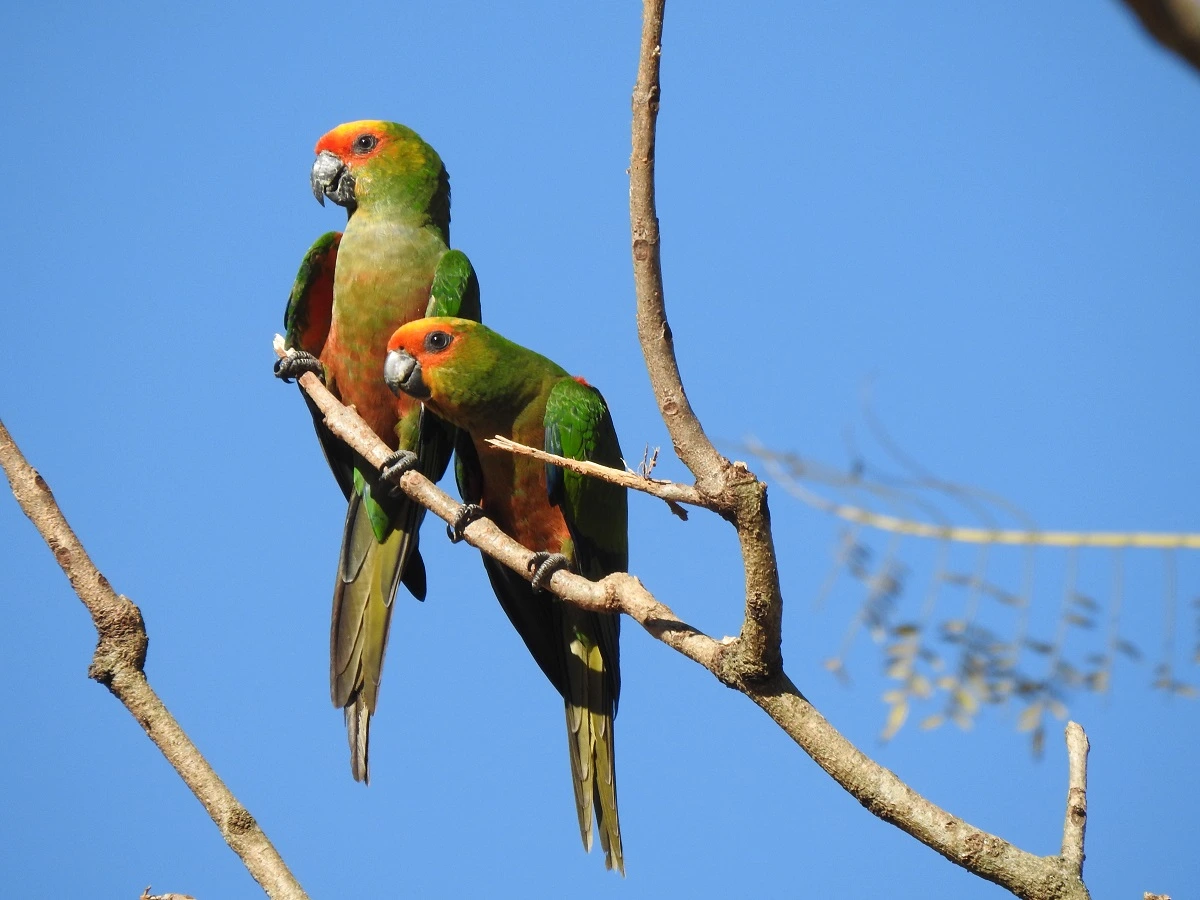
{"x": 390, "y": 265}
{"x": 473, "y": 378}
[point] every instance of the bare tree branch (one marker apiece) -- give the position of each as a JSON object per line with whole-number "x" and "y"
{"x": 1173, "y": 23}
{"x": 1076, "y": 818}
{"x": 658, "y": 346}
{"x": 754, "y": 664}
{"x": 118, "y": 665}
{"x": 878, "y": 789}
{"x": 731, "y": 489}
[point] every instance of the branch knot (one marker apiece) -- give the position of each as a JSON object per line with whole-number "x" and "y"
{"x": 122, "y": 642}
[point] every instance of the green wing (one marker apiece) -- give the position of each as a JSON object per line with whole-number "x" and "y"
{"x": 455, "y": 290}
{"x": 578, "y": 426}
{"x": 310, "y": 305}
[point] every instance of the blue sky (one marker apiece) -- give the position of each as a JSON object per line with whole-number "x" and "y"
{"x": 989, "y": 210}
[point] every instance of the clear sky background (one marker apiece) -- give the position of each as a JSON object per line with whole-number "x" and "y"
{"x": 992, "y": 210}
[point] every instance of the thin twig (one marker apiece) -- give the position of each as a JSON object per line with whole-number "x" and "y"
{"x": 118, "y": 665}
{"x": 1076, "y": 818}
{"x": 670, "y": 491}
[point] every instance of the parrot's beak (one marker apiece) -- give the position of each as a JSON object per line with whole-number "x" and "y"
{"x": 330, "y": 178}
{"x": 402, "y": 373}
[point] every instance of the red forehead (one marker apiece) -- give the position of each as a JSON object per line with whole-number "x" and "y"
{"x": 340, "y": 140}
{"x": 411, "y": 337}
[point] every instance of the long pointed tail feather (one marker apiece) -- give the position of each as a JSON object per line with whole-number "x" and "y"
{"x": 358, "y": 730}
{"x": 593, "y": 761}
{"x": 369, "y": 573}
{"x": 606, "y": 793}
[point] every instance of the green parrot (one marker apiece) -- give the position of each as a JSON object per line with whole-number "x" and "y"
{"x": 486, "y": 385}
{"x": 391, "y": 265}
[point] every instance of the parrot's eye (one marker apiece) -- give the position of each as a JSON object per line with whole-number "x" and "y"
{"x": 437, "y": 340}
{"x": 365, "y": 143}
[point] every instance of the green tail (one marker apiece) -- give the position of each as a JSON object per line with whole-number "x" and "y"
{"x": 368, "y": 574}
{"x": 590, "y": 741}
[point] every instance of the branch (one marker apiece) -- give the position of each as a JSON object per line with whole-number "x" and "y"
{"x": 658, "y": 346}
{"x": 878, "y": 789}
{"x": 118, "y": 664}
{"x": 1173, "y": 23}
{"x": 753, "y": 664}
{"x": 729, "y": 488}
{"x": 669, "y": 491}
{"x": 1076, "y": 818}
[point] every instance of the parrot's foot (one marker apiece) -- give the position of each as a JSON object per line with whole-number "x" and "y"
{"x": 463, "y": 516}
{"x": 544, "y": 565}
{"x": 296, "y": 363}
{"x": 396, "y": 465}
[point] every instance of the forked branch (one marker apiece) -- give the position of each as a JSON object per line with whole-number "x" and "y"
{"x": 729, "y": 488}
{"x": 753, "y": 663}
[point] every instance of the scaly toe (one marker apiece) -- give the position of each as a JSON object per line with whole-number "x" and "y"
{"x": 296, "y": 363}
{"x": 463, "y": 516}
{"x": 544, "y": 565}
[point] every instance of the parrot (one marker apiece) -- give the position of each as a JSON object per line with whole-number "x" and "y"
{"x": 484, "y": 384}
{"x": 390, "y": 265}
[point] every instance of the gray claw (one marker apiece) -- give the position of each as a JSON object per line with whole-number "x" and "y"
{"x": 463, "y": 516}
{"x": 395, "y": 466}
{"x": 296, "y": 363}
{"x": 544, "y": 565}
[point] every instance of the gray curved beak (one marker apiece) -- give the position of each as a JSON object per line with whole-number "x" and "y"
{"x": 402, "y": 373}
{"x": 330, "y": 178}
